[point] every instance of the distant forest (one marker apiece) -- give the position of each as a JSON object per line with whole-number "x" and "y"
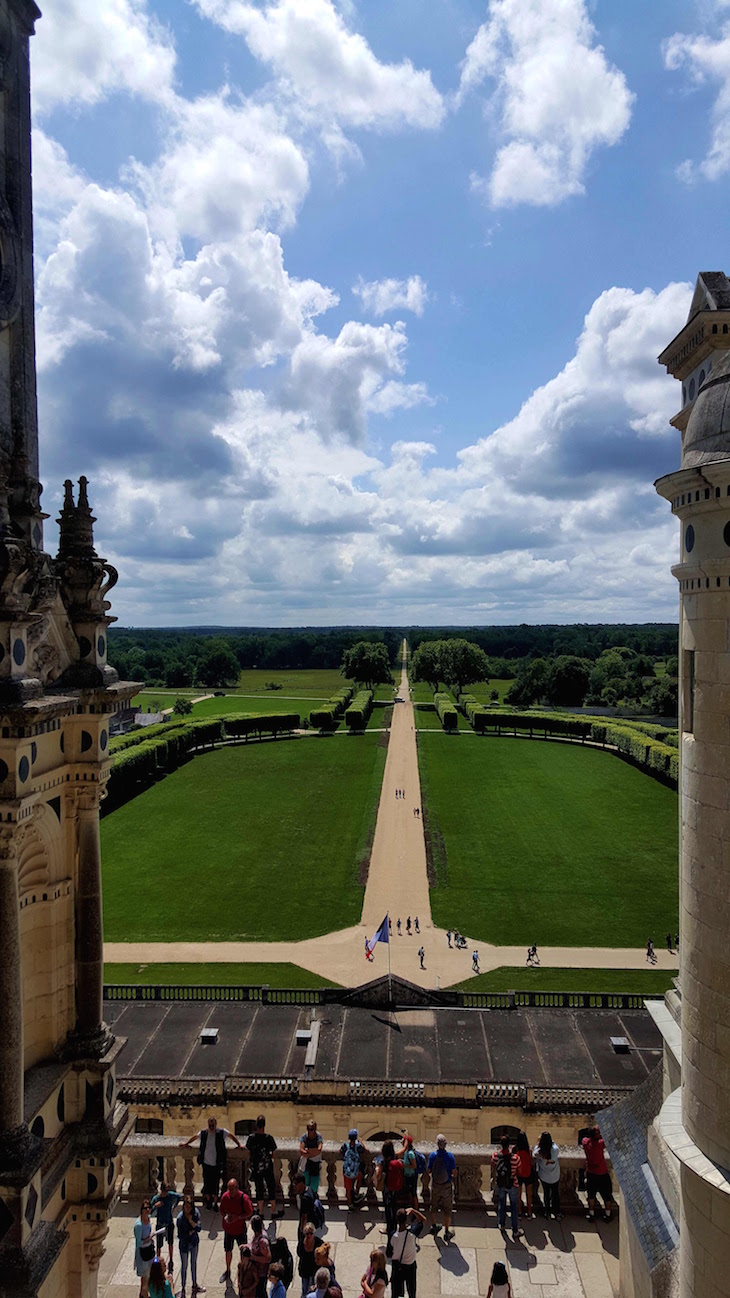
{"x": 182, "y": 657}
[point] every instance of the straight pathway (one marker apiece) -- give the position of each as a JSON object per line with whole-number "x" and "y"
{"x": 398, "y": 886}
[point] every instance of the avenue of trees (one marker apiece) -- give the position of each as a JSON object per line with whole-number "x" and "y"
{"x": 456, "y": 662}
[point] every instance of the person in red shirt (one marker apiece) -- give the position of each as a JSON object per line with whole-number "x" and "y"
{"x": 505, "y": 1173}
{"x": 598, "y": 1177}
{"x": 525, "y": 1173}
{"x": 236, "y": 1210}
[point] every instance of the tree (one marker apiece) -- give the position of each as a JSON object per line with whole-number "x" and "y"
{"x": 182, "y": 707}
{"x": 662, "y": 698}
{"x": 218, "y": 666}
{"x": 367, "y": 662}
{"x": 568, "y": 681}
{"x": 426, "y": 663}
{"x": 463, "y": 663}
{"x": 530, "y": 686}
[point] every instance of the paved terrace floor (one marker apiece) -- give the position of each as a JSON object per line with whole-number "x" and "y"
{"x": 568, "y": 1259}
{"x": 397, "y": 885}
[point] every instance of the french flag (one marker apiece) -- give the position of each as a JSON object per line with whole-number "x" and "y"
{"x": 382, "y": 935}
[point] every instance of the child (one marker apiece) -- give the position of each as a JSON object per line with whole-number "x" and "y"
{"x": 500, "y": 1286}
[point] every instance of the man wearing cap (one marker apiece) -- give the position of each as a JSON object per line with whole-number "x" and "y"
{"x": 440, "y": 1172}
{"x": 353, "y": 1151}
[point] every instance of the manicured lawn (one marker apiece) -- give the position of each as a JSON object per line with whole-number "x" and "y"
{"x": 308, "y": 684}
{"x": 235, "y": 703}
{"x": 483, "y": 689}
{"x": 214, "y": 975}
{"x": 262, "y": 841}
{"x": 548, "y": 843}
{"x": 642, "y": 982}
{"x": 381, "y": 715}
{"x": 427, "y": 718}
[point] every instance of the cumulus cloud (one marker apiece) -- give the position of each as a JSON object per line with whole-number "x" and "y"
{"x": 556, "y": 98}
{"x": 82, "y": 53}
{"x": 380, "y": 296}
{"x": 707, "y": 61}
{"x": 328, "y": 69}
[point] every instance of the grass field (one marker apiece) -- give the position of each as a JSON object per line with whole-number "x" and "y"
{"x": 642, "y": 982}
{"x": 214, "y": 975}
{"x": 257, "y": 842}
{"x": 483, "y": 689}
{"x": 235, "y": 703}
{"x": 427, "y": 718}
{"x": 548, "y": 843}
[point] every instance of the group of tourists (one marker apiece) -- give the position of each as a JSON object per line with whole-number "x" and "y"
{"x": 520, "y": 1175}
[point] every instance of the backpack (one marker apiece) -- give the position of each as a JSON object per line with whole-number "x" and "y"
{"x": 351, "y": 1160}
{"x": 261, "y": 1158}
{"x": 421, "y": 1163}
{"x": 504, "y": 1170}
{"x": 318, "y": 1214}
{"x": 439, "y": 1171}
{"x": 280, "y": 1252}
{"x": 394, "y": 1177}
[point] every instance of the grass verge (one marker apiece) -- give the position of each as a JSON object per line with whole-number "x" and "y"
{"x": 214, "y": 975}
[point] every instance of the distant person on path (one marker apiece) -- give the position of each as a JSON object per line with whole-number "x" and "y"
{"x": 261, "y": 1149}
{"x": 390, "y": 925}
{"x": 475, "y": 961}
{"x": 650, "y": 952}
{"x": 598, "y": 1177}
{"x": 676, "y": 941}
{"x": 533, "y": 958}
{"x": 408, "y": 925}
{"x": 440, "y": 1172}
{"x": 353, "y": 1151}
{"x": 525, "y": 1173}
{"x": 310, "y": 1162}
{"x": 499, "y": 1285}
{"x": 164, "y": 1205}
{"x": 669, "y": 944}
{"x": 448, "y": 937}
{"x": 505, "y": 1171}
{"x": 236, "y": 1210}
{"x": 421, "y": 956}
{"x": 212, "y": 1159}
{"x": 547, "y": 1166}
{"x": 410, "y": 1223}
{"x": 188, "y": 1239}
{"x": 398, "y": 927}
{"x": 417, "y": 925}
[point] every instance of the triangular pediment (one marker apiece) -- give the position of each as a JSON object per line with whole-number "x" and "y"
{"x": 712, "y": 292}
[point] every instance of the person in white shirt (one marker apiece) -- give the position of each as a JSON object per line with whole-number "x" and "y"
{"x": 410, "y": 1223}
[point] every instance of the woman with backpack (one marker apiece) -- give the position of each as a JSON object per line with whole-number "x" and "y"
{"x": 390, "y": 1179}
{"x": 375, "y": 1279}
{"x": 260, "y": 1254}
{"x": 548, "y": 1171}
{"x": 188, "y": 1239}
{"x": 525, "y": 1173}
{"x": 410, "y": 1169}
{"x": 306, "y": 1249}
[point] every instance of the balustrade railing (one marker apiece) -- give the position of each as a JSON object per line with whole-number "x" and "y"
{"x": 147, "y": 1159}
{"x": 476, "y": 1000}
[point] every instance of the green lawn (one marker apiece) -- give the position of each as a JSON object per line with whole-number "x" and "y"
{"x": 234, "y": 703}
{"x": 214, "y": 975}
{"x": 427, "y": 718}
{"x": 548, "y": 843}
{"x": 308, "y": 684}
{"x": 646, "y": 982}
{"x": 483, "y": 689}
{"x": 259, "y": 842}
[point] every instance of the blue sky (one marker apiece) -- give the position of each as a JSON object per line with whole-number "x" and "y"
{"x": 350, "y": 311}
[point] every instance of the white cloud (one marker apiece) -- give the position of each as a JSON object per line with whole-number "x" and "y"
{"x": 380, "y": 296}
{"x": 327, "y": 68}
{"x": 84, "y": 52}
{"x": 707, "y": 60}
{"x": 556, "y": 97}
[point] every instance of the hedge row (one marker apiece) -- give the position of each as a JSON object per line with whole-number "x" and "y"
{"x": 464, "y": 701}
{"x": 140, "y": 736}
{"x": 327, "y": 716}
{"x": 635, "y": 743}
{"x": 359, "y": 710}
{"x": 447, "y": 714}
{"x": 139, "y": 765}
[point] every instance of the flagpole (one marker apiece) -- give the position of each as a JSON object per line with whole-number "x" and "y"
{"x": 390, "y": 992}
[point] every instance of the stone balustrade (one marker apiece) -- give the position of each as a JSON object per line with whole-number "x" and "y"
{"x": 147, "y": 1159}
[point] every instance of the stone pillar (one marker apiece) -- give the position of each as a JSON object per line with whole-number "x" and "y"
{"x": 12, "y": 1127}
{"x": 91, "y": 1037}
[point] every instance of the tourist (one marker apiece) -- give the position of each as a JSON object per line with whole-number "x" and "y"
{"x": 676, "y": 941}
{"x": 310, "y": 1162}
{"x": 499, "y": 1285}
{"x": 650, "y": 952}
{"x": 281, "y": 1256}
{"x": 421, "y": 956}
{"x": 408, "y": 925}
{"x": 533, "y": 958}
{"x": 261, "y": 1149}
{"x": 163, "y": 1205}
{"x": 410, "y": 1169}
{"x": 212, "y": 1159}
{"x": 324, "y": 1262}
{"x": 416, "y": 925}
{"x": 375, "y": 1279}
{"x": 440, "y": 1171}
{"x": 475, "y": 961}
{"x": 547, "y": 1166}
{"x": 248, "y": 1276}
{"x": 390, "y": 1178}
{"x": 159, "y": 1285}
{"x": 448, "y": 936}
{"x": 236, "y": 1210}
{"x": 525, "y": 1173}
{"x": 410, "y": 1223}
{"x": 353, "y": 1152}
{"x": 669, "y": 944}
{"x": 398, "y": 927}
{"x": 188, "y": 1239}
{"x": 323, "y": 1282}
{"x": 144, "y": 1247}
{"x": 306, "y": 1247}
{"x": 505, "y": 1171}
{"x": 260, "y": 1254}
{"x": 276, "y": 1276}
{"x": 598, "y": 1177}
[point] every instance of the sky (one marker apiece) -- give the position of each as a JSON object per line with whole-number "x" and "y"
{"x": 349, "y": 309}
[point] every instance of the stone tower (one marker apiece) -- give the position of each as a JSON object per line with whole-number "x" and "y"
{"x": 60, "y": 1123}
{"x": 695, "y": 1118}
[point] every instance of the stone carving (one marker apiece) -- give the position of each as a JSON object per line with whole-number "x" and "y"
{"x": 94, "y": 1235}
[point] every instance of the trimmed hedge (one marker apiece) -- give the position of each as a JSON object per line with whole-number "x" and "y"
{"x": 464, "y": 701}
{"x": 447, "y": 714}
{"x": 359, "y": 710}
{"x": 327, "y": 716}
